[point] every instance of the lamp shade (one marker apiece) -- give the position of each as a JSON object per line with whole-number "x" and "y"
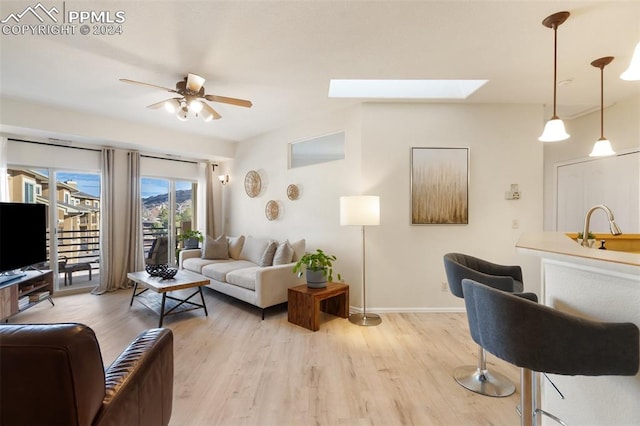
{"x": 554, "y": 131}
{"x": 633, "y": 72}
{"x": 602, "y": 148}
{"x": 360, "y": 210}
{"x": 171, "y": 105}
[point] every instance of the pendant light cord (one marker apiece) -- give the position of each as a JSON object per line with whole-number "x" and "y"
{"x": 555, "y": 66}
{"x": 602, "y": 102}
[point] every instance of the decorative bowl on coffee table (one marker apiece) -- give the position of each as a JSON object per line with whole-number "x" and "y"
{"x": 156, "y": 270}
{"x": 168, "y": 273}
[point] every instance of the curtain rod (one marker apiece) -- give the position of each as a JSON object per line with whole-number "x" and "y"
{"x": 100, "y": 150}
{"x": 62, "y": 145}
{"x": 170, "y": 159}
{"x": 54, "y": 144}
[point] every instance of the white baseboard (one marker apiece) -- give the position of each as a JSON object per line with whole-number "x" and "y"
{"x": 354, "y": 309}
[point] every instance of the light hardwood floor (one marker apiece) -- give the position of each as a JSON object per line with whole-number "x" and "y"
{"x": 231, "y": 368}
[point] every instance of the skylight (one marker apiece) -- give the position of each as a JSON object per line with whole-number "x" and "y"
{"x": 404, "y": 89}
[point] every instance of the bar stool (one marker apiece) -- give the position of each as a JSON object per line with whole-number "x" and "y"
{"x": 506, "y": 278}
{"x": 538, "y": 338}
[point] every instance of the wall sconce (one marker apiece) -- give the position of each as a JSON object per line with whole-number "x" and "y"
{"x": 224, "y": 179}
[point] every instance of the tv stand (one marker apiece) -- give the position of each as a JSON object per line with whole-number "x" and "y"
{"x": 32, "y": 286}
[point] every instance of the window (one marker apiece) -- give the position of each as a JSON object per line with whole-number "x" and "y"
{"x": 28, "y": 195}
{"x": 317, "y": 150}
{"x": 167, "y": 211}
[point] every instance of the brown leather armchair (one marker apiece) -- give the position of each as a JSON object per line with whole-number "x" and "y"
{"x": 53, "y": 374}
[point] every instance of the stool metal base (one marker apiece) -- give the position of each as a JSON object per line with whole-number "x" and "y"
{"x": 483, "y": 382}
{"x": 365, "y": 319}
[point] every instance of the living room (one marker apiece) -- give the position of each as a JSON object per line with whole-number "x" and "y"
{"x": 404, "y": 272}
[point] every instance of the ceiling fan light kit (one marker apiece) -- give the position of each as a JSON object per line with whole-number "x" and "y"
{"x": 172, "y": 105}
{"x": 192, "y": 93}
{"x": 554, "y": 130}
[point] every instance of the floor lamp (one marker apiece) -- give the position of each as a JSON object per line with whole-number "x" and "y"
{"x": 361, "y": 210}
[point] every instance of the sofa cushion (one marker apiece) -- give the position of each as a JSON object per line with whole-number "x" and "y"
{"x": 253, "y": 249}
{"x": 215, "y": 249}
{"x": 195, "y": 264}
{"x": 267, "y": 255}
{"x": 245, "y": 277}
{"x": 284, "y": 254}
{"x": 235, "y": 246}
{"x": 298, "y": 249}
{"x": 220, "y": 269}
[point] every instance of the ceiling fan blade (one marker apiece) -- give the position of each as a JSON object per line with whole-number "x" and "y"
{"x": 126, "y": 80}
{"x": 211, "y": 111}
{"x": 157, "y": 105}
{"x": 161, "y": 104}
{"x": 194, "y": 82}
{"x": 232, "y": 101}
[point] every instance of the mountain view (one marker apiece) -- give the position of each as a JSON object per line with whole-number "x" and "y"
{"x": 155, "y": 212}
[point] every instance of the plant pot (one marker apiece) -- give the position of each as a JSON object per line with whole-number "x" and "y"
{"x": 191, "y": 243}
{"x": 316, "y": 279}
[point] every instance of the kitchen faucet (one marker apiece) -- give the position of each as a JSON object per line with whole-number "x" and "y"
{"x": 612, "y": 223}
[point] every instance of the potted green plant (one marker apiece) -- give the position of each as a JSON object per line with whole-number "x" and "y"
{"x": 191, "y": 238}
{"x": 318, "y": 267}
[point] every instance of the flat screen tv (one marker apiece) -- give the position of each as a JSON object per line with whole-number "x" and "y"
{"x": 23, "y": 235}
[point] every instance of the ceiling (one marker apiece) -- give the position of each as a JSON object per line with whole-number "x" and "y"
{"x": 282, "y": 54}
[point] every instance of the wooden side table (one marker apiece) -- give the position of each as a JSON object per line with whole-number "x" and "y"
{"x": 306, "y": 303}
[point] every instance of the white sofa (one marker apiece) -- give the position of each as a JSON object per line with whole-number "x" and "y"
{"x": 255, "y": 270}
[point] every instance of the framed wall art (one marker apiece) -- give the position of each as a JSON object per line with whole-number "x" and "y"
{"x": 439, "y": 186}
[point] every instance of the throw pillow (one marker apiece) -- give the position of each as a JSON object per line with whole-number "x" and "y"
{"x": 253, "y": 248}
{"x": 284, "y": 254}
{"x": 267, "y": 256}
{"x": 215, "y": 249}
{"x": 298, "y": 249}
{"x": 235, "y": 246}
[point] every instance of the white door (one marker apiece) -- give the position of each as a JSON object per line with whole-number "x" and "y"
{"x": 613, "y": 181}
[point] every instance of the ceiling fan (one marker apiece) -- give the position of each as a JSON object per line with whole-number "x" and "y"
{"x": 191, "y": 99}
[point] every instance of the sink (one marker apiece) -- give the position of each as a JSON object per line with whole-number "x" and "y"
{"x": 629, "y": 243}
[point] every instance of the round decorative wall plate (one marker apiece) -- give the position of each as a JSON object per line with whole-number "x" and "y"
{"x": 252, "y": 183}
{"x": 272, "y": 210}
{"x": 293, "y": 192}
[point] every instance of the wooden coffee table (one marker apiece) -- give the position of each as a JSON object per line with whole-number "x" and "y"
{"x": 182, "y": 280}
{"x": 305, "y": 304}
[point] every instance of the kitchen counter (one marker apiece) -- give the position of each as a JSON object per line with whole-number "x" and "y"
{"x": 562, "y": 244}
{"x": 602, "y": 285}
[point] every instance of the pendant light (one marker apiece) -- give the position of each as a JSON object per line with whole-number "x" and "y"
{"x": 554, "y": 129}
{"x": 633, "y": 72}
{"x": 602, "y": 147}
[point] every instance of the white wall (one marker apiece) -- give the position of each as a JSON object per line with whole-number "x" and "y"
{"x": 404, "y": 262}
{"x": 23, "y": 119}
{"x": 621, "y": 127}
{"x": 315, "y": 215}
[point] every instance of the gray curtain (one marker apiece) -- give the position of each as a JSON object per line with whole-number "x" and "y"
{"x": 107, "y": 215}
{"x": 133, "y": 254}
{"x": 4, "y": 180}
{"x": 210, "y": 189}
{"x": 134, "y": 248}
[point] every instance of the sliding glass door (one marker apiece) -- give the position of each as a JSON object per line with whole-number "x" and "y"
{"x": 73, "y": 242}
{"x": 78, "y": 228}
{"x": 167, "y": 211}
